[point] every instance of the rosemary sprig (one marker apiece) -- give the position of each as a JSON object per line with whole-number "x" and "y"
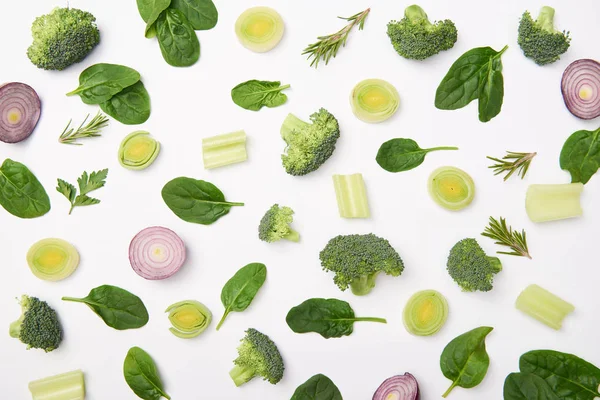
{"x": 328, "y": 46}
{"x": 505, "y": 236}
{"x": 512, "y": 162}
{"x": 92, "y": 129}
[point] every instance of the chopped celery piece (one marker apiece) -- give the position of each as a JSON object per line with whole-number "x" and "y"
{"x": 351, "y": 196}
{"x": 544, "y": 306}
{"x": 52, "y": 259}
{"x": 67, "y": 386}
{"x": 225, "y": 149}
{"x": 553, "y": 202}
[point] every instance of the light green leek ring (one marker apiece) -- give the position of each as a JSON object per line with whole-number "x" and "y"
{"x": 451, "y": 187}
{"x": 374, "y": 100}
{"x": 138, "y": 150}
{"x": 425, "y": 313}
{"x": 52, "y": 259}
{"x": 189, "y": 318}
{"x": 259, "y": 29}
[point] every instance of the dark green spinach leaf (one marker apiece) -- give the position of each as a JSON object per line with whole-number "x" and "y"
{"x": 254, "y": 95}
{"x": 580, "y": 155}
{"x": 178, "y": 42}
{"x": 240, "y": 290}
{"x": 150, "y": 10}
{"x": 318, "y": 387}
{"x": 141, "y": 375}
{"x": 196, "y": 201}
{"x": 118, "y": 308}
{"x": 202, "y": 14}
{"x": 526, "y": 386}
{"x": 398, "y": 155}
{"x": 21, "y": 194}
{"x": 100, "y": 82}
{"x": 131, "y": 106}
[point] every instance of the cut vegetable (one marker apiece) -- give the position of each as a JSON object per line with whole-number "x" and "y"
{"x": 425, "y": 313}
{"x": 52, "y": 259}
{"x": 67, "y": 386}
{"x": 351, "y": 196}
{"x": 189, "y": 318}
{"x": 138, "y": 150}
{"x": 259, "y": 29}
{"x": 156, "y": 253}
{"x": 553, "y": 202}
{"x": 225, "y": 149}
{"x": 581, "y": 88}
{"x": 20, "y": 110}
{"x": 452, "y": 188}
{"x": 399, "y": 387}
{"x": 374, "y": 100}
{"x": 544, "y": 306}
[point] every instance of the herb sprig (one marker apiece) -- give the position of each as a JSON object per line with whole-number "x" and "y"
{"x": 512, "y": 162}
{"x": 87, "y": 183}
{"x": 505, "y": 236}
{"x": 91, "y": 129}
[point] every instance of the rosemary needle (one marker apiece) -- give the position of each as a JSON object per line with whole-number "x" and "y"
{"x": 512, "y": 162}
{"x": 91, "y": 129}
{"x": 505, "y": 236}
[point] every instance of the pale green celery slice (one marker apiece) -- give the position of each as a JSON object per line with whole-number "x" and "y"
{"x": 544, "y": 306}
{"x": 351, "y": 196}
{"x": 553, "y": 202}
{"x": 225, "y": 149}
{"x": 67, "y": 386}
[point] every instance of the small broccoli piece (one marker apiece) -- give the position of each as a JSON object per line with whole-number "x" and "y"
{"x": 38, "y": 326}
{"x": 539, "y": 40}
{"x": 63, "y": 37}
{"x": 274, "y": 225}
{"x": 309, "y": 145}
{"x": 414, "y": 37}
{"x": 471, "y": 268}
{"x": 258, "y": 356}
{"x": 358, "y": 259}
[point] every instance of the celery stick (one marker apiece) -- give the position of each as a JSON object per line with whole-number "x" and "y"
{"x": 351, "y": 196}
{"x": 225, "y": 149}
{"x": 552, "y": 202}
{"x": 544, "y": 306}
{"x": 67, "y": 386}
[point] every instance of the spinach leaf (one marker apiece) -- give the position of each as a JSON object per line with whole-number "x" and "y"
{"x": 580, "y": 155}
{"x": 254, "y": 95}
{"x": 118, "y": 308}
{"x": 464, "y": 360}
{"x": 142, "y": 376}
{"x": 196, "y": 201}
{"x": 131, "y": 106}
{"x": 202, "y": 14}
{"x": 100, "y": 82}
{"x": 318, "y": 387}
{"x": 330, "y": 318}
{"x": 240, "y": 290}
{"x": 178, "y": 42}
{"x": 568, "y": 376}
{"x": 526, "y": 386}
{"x": 150, "y": 10}
{"x": 477, "y": 74}
{"x": 398, "y": 155}
{"x": 21, "y": 194}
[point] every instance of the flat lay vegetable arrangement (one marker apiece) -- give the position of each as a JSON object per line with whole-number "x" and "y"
{"x": 361, "y": 260}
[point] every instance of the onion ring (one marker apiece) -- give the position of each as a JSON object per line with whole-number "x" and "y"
{"x": 398, "y": 387}
{"x": 20, "y": 110}
{"x": 580, "y": 87}
{"x": 156, "y": 253}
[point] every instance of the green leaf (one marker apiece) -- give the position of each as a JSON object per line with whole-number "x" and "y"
{"x": 398, "y": 155}
{"x": 150, "y": 10}
{"x": 100, "y": 82}
{"x": 526, "y": 386}
{"x": 491, "y": 92}
{"x": 202, "y": 14}
{"x": 254, "y": 95}
{"x": 85, "y": 200}
{"x": 118, "y": 308}
{"x": 196, "y": 201}
{"x": 21, "y": 194}
{"x": 131, "y": 106}
{"x": 68, "y": 190}
{"x": 142, "y": 376}
{"x": 580, "y": 155}
{"x": 464, "y": 360}
{"x": 318, "y": 387}
{"x": 92, "y": 182}
{"x": 177, "y": 39}
{"x": 240, "y": 290}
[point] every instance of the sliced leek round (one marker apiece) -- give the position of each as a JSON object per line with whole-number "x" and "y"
{"x": 374, "y": 100}
{"x": 52, "y": 259}
{"x": 259, "y": 29}
{"x": 425, "y": 313}
{"x": 189, "y": 318}
{"x": 451, "y": 188}
{"x": 138, "y": 150}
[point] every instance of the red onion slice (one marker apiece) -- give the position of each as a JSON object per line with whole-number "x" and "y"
{"x": 581, "y": 88}
{"x": 156, "y": 253}
{"x": 20, "y": 109}
{"x": 398, "y": 387}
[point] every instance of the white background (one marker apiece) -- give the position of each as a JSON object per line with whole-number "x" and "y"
{"x": 191, "y": 103}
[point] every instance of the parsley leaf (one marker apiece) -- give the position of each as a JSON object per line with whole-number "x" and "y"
{"x": 86, "y": 183}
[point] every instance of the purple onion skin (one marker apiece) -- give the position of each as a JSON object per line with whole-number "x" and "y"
{"x": 579, "y": 73}
{"x": 406, "y": 382}
{"x": 22, "y": 97}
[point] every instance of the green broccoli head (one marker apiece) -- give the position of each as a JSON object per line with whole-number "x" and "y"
{"x": 275, "y": 225}
{"x": 309, "y": 145}
{"x": 357, "y": 259}
{"x": 471, "y": 268}
{"x": 257, "y": 356}
{"x": 61, "y": 38}
{"x": 539, "y": 40}
{"x": 414, "y": 37}
{"x": 38, "y": 327}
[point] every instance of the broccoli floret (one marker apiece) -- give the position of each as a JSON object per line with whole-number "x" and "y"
{"x": 309, "y": 145}
{"x": 539, "y": 40}
{"x": 414, "y": 37}
{"x": 61, "y": 38}
{"x": 274, "y": 225}
{"x": 471, "y": 268}
{"x": 358, "y": 259}
{"x": 38, "y": 326}
{"x": 258, "y": 356}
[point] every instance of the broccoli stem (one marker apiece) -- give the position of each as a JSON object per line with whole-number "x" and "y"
{"x": 291, "y": 124}
{"x": 15, "y": 328}
{"x": 545, "y": 19}
{"x": 416, "y": 14}
{"x": 292, "y": 236}
{"x": 363, "y": 284}
{"x": 495, "y": 263}
{"x": 241, "y": 375}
